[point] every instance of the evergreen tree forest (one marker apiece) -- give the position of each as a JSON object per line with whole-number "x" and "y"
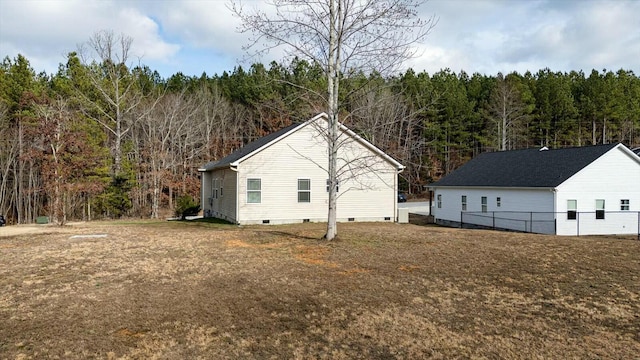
{"x": 99, "y": 140}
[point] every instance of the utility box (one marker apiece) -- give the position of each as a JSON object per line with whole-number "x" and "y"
{"x": 403, "y": 215}
{"x": 42, "y": 220}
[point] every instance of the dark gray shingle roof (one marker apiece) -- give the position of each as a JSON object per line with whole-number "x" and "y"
{"x": 247, "y": 149}
{"x": 524, "y": 168}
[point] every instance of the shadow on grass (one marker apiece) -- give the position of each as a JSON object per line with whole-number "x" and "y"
{"x": 287, "y": 234}
{"x": 210, "y": 221}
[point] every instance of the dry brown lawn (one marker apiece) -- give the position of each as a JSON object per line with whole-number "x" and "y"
{"x": 171, "y": 290}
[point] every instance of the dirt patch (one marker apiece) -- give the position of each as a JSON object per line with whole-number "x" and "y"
{"x": 382, "y": 291}
{"x": 16, "y": 230}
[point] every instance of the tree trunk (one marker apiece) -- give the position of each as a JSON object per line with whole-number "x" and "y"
{"x": 332, "y": 129}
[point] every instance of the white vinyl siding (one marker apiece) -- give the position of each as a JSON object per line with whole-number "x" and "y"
{"x": 512, "y": 201}
{"x": 220, "y": 207}
{"x": 613, "y": 176}
{"x": 370, "y": 196}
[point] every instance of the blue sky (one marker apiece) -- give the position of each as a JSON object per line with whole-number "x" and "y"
{"x": 196, "y": 36}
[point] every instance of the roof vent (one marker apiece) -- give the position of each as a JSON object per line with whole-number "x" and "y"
{"x": 544, "y": 148}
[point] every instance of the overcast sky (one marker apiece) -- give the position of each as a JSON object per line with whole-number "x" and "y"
{"x": 192, "y": 37}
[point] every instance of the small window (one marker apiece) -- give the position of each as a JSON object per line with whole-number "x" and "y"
{"x": 464, "y": 202}
{"x": 483, "y": 201}
{"x": 572, "y": 207}
{"x": 624, "y": 204}
{"x": 600, "y": 209}
{"x": 304, "y": 190}
{"x": 498, "y": 201}
{"x": 254, "y": 191}
{"x": 439, "y": 201}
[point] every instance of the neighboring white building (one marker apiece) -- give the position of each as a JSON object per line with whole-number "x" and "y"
{"x": 592, "y": 190}
{"x": 280, "y": 178}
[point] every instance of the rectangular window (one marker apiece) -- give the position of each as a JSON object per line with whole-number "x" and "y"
{"x": 220, "y": 188}
{"x": 464, "y": 202}
{"x": 304, "y": 190}
{"x": 624, "y": 204}
{"x": 483, "y": 201}
{"x": 572, "y": 208}
{"x": 498, "y": 202}
{"x": 600, "y": 209}
{"x": 254, "y": 191}
{"x": 439, "y": 201}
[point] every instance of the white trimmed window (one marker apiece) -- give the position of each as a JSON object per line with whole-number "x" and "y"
{"x": 498, "y": 202}
{"x": 572, "y": 209}
{"x": 439, "y": 201}
{"x": 624, "y": 204}
{"x": 304, "y": 190}
{"x": 483, "y": 202}
{"x": 464, "y": 202}
{"x": 600, "y": 209}
{"x": 254, "y": 191}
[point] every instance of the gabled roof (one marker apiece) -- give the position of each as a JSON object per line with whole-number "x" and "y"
{"x": 524, "y": 168}
{"x": 249, "y": 149}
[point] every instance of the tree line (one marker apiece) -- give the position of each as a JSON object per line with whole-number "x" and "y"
{"x": 105, "y": 138}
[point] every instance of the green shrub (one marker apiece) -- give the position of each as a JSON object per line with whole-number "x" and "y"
{"x": 186, "y": 206}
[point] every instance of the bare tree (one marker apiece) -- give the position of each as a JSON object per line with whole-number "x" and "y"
{"x": 339, "y": 36}
{"x": 116, "y": 93}
{"x": 507, "y": 110}
{"x": 8, "y": 157}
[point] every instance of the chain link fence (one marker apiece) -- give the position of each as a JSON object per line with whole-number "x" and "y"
{"x": 560, "y": 223}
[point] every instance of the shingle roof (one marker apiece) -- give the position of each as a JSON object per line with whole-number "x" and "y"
{"x": 524, "y": 168}
{"x": 247, "y": 149}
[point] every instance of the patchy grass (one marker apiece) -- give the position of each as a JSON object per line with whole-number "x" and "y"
{"x": 197, "y": 290}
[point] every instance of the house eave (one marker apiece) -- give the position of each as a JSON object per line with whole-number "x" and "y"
{"x": 433, "y": 187}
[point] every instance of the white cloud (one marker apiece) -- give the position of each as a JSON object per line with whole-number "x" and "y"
{"x": 193, "y": 36}
{"x": 45, "y": 31}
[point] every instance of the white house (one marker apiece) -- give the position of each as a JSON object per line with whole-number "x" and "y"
{"x": 281, "y": 178}
{"x": 592, "y": 190}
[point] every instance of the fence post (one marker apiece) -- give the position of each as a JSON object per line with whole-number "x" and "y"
{"x": 531, "y": 221}
{"x": 577, "y": 223}
{"x": 493, "y": 215}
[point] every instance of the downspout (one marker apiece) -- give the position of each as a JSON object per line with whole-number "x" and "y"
{"x": 202, "y": 193}
{"x": 555, "y": 211}
{"x": 202, "y": 202}
{"x": 395, "y": 193}
{"x": 235, "y": 169}
{"x": 430, "y": 201}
